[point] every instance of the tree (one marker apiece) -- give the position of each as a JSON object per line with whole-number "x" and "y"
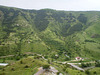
{"x": 58, "y": 73}
{"x": 95, "y": 72}
{"x": 97, "y": 63}
{"x": 12, "y": 69}
{"x": 21, "y": 62}
{"x": 82, "y": 18}
{"x": 46, "y": 67}
{"x": 26, "y": 66}
{"x": 87, "y": 72}
{"x": 49, "y": 61}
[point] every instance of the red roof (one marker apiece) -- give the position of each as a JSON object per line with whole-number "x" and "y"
{"x": 78, "y": 57}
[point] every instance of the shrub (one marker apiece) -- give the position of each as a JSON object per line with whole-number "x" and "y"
{"x": 87, "y": 72}
{"x": 33, "y": 61}
{"x": 85, "y": 65}
{"x": 26, "y": 66}
{"x": 21, "y": 62}
{"x": 97, "y": 64}
{"x": 12, "y": 69}
{"x": 2, "y": 73}
{"x": 58, "y": 73}
{"x": 3, "y": 69}
{"x": 46, "y": 66}
{"x": 17, "y": 57}
{"x": 95, "y": 72}
{"x": 37, "y": 57}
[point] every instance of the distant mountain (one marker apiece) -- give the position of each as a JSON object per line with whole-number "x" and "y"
{"x": 50, "y": 32}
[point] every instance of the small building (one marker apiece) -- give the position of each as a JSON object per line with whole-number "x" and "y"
{"x": 56, "y": 55}
{"x": 79, "y": 58}
{"x": 3, "y": 64}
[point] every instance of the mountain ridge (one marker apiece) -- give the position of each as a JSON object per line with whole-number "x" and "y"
{"x": 51, "y": 32}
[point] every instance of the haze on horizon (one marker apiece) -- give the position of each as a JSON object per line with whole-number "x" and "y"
{"x": 67, "y": 5}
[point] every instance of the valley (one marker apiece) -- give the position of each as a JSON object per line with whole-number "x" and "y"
{"x": 30, "y": 39}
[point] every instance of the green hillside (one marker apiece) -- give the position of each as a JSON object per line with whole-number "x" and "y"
{"x": 50, "y": 32}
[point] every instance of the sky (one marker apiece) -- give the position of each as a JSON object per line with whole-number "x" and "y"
{"x": 67, "y": 5}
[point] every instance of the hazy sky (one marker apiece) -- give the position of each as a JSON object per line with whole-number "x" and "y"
{"x": 75, "y": 5}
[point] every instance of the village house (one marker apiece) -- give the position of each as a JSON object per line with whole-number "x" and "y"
{"x": 79, "y": 58}
{"x": 3, "y": 64}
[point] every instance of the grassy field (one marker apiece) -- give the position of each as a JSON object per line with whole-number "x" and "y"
{"x": 25, "y": 66}
{"x": 95, "y": 71}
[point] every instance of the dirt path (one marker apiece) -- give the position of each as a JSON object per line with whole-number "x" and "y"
{"x": 40, "y": 71}
{"x": 52, "y": 71}
{"x": 6, "y": 56}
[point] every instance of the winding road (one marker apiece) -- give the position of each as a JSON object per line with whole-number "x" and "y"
{"x": 75, "y": 66}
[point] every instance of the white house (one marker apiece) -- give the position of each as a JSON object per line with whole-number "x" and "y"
{"x": 79, "y": 58}
{"x": 3, "y": 64}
